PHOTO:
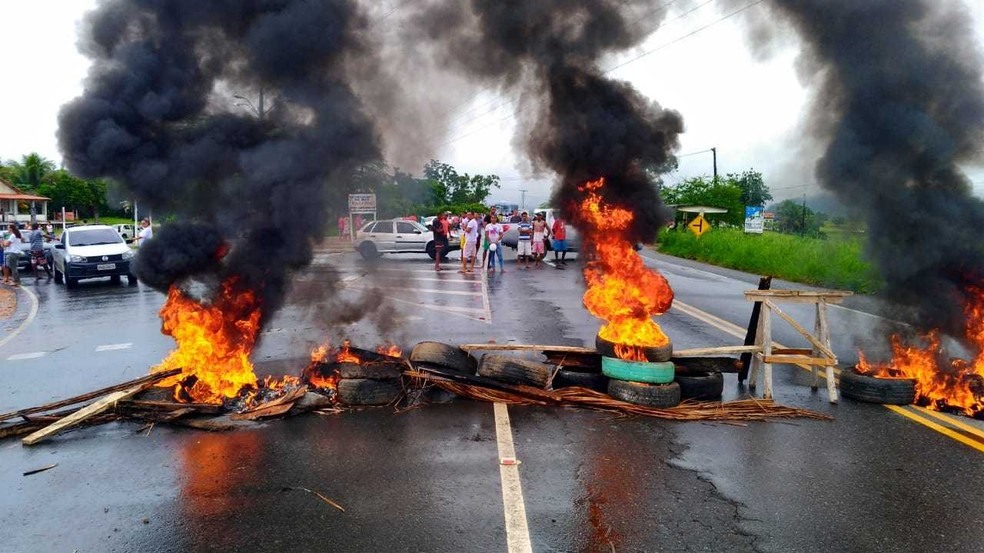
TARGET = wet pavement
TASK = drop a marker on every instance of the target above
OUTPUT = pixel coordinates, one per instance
(428, 479)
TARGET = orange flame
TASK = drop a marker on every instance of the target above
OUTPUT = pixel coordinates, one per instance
(938, 384)
(392, 350)
(622, 291)
(344, 355)
(214, 341)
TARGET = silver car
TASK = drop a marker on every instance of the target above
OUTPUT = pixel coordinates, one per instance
(396, 236)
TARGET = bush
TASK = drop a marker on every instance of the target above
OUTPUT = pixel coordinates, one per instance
(828, 263)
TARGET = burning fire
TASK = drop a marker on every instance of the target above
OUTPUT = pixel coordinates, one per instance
(214, 341)
(958, 384)
(621, 289)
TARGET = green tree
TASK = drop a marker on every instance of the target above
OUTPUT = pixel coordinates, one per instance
(75, 194)
(796, 218)
(704, 191)
(754, 192)
(30, 171)
(449, 187)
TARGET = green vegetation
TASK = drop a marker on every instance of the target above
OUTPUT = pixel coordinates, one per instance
(829, 263)
(732, 192)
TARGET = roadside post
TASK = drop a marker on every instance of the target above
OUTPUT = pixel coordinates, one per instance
(360, 204)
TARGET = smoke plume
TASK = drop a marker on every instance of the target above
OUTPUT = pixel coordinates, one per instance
(158, 114)
(900, 106)
(573, 120)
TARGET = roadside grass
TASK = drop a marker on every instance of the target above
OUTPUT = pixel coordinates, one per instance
(828, 263)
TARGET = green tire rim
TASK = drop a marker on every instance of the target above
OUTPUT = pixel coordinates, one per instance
(638, 371)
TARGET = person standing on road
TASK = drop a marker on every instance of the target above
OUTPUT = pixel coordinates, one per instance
(524, 244)
(11, 255)
(38, 259)
(471, 242)
(483, 238)
(440, 228)
(559, 231)
(493, 236)
(145, 234)
(539, 238)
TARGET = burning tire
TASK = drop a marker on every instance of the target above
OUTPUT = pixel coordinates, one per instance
(363, 391)
(891, 391)
(514, 370)
(654, 353)
(591, 380)
(371, 371)
(706, 386)
(444, 356)
(650, 395)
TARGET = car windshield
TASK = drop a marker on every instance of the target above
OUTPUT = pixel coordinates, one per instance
(94, 237)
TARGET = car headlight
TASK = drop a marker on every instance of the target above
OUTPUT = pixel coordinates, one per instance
(76, 258)
(128, 255)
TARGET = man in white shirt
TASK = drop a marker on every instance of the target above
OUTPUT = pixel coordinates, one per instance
(145, 234)
(471, 242)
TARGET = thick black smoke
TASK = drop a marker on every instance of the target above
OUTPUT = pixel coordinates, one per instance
(158, 115)
(900, 106)
(574, 121)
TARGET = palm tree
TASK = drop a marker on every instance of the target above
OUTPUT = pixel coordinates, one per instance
(31, 171)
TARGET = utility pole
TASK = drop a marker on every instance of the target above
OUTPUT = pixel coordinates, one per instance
(714, 151)
(259, 110)
(522, 202)
(803, 218)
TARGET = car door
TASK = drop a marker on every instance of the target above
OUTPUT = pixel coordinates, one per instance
(381, 234)
(409, 237)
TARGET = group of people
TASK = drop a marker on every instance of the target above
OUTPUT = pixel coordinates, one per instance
(13, 244)
(483, 233)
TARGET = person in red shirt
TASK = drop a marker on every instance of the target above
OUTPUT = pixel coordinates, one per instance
(442, 229)
(559, 231)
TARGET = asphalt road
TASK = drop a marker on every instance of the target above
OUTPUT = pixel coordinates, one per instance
(429, 479)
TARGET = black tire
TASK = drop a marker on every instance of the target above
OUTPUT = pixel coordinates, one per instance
(431, 250)
(657, 354)
(69, 281)
(514, 370)
(131, 279)
(650, 395)
(59, 278)
(444, 356)
(368, 250)
(115, 279)
(372, 371)
(363, 391)
(567, 378)
(705, 386)
(890, 391)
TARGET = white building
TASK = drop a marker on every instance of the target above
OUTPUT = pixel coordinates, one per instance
(16, 206)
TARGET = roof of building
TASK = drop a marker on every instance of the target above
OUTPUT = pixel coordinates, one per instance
(11, 192)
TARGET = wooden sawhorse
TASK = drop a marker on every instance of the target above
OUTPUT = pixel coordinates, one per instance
(818, 355)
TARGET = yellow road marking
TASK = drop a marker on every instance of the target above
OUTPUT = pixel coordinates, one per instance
(739, 332)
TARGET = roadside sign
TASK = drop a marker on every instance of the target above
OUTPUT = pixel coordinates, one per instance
(362, 203)
(699, 225)
(754, 219)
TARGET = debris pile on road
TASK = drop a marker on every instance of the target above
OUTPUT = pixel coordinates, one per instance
(349, 377)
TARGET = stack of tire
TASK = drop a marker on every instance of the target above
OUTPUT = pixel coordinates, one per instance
(649, 383)
(376, 382)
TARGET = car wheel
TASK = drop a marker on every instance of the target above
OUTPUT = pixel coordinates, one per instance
(368, 250)
(69, 281)
(431, 250)
(131, 280)
(115, 279)
(59, 278)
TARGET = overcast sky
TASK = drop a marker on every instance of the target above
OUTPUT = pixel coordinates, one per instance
(697, 63)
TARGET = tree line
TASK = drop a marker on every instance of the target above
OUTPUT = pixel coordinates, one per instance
(39, 176)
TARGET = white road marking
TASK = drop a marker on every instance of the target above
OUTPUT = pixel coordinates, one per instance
(423, 290)
(514, 508)
(32, 355)
(485, 297)
(113, 347)
(30, 317)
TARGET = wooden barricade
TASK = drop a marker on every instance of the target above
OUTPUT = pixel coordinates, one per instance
(818, 355)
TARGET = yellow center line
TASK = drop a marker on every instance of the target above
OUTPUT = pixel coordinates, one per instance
(912, 413)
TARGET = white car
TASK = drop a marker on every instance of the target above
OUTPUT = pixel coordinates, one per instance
(92, 251)
(396, 236)
(125, 231)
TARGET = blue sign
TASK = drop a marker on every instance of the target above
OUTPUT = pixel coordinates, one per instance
(754, 219)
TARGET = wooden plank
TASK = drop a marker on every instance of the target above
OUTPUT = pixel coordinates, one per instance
(809, 294)
(767, 348)
(705, 352)
(799, 328)
(690, 365)
(825, 338)
(84, 413)
(152, 378)
(799, 360)
(525, 347)
(793, 351)
(765, 283)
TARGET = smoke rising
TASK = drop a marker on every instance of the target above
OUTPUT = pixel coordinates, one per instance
(900, 106)
(158, 115)
(573, 120)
